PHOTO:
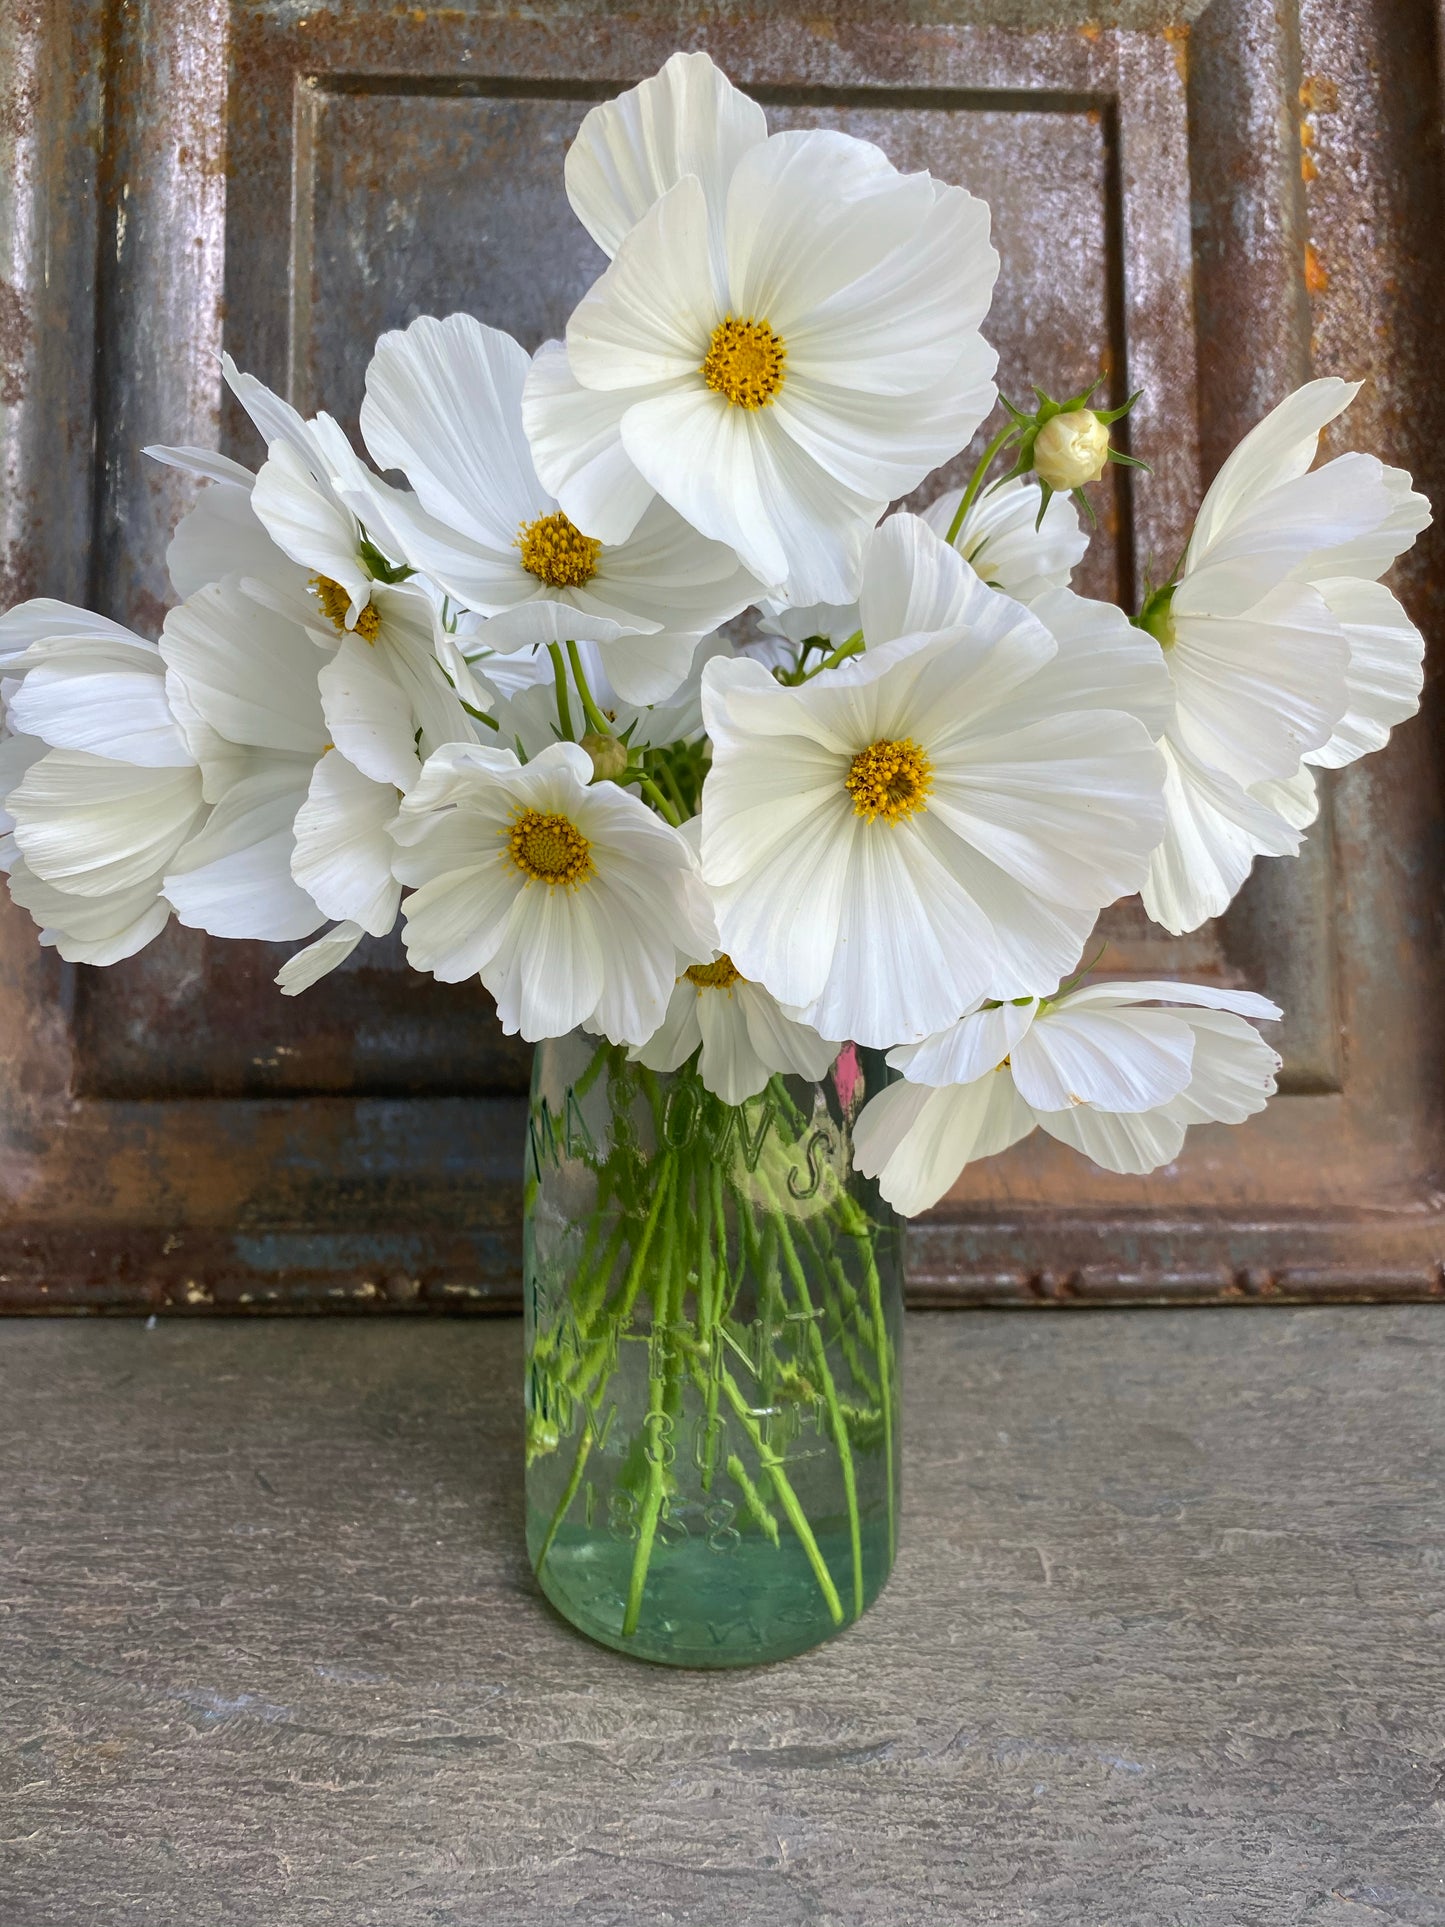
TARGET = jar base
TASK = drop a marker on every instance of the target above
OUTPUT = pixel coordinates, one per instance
(753, 1605)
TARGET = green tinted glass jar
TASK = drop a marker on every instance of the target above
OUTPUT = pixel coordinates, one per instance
(713, 1314)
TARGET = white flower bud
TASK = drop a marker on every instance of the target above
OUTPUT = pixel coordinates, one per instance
(1071, 449)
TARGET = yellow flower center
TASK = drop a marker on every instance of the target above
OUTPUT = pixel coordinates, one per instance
(744, 361)
(557, 552)
(721, 974)
(335, 602)
(549, 849)
(890, 780)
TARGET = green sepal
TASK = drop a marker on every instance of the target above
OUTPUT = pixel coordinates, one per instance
(377, 565)
(1029, 423)
(1154, 617)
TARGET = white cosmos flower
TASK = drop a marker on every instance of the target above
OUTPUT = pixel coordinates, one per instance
(444, 404)
(1103, 1069)
(303, 968)
(1003, 541)
(391, 683)
(98, 784)
(221, 534)
(310, 715)
(938, 818)
(997, 538)
(316, 498)
(399, 685)
(298, 521)
(243, 680)
(1285, 651)
(786, 340)
(743, 1034)
(571, 901)
(387, 700)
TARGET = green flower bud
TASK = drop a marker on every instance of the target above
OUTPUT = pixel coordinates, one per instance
(609, 757)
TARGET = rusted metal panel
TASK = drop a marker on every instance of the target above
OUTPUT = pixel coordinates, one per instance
(50, 139)
(1211, 211)
(1249, 249)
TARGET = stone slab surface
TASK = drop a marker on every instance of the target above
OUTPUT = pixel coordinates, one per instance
(1164, 1644)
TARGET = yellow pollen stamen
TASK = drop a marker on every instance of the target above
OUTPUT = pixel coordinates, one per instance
(744, 361)
(335, 604)
(549, 849)
(557, 552)
(721, 974)
(890, 780)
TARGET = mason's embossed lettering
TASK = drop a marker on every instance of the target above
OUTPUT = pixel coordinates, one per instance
(576, 1139)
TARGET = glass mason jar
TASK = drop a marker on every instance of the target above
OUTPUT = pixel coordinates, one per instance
(713, 1325)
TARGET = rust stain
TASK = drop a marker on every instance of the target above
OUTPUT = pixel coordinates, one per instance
(1090, 31)
(1309, 98)
(16, 334)
(1178, 38)
(1316, 274)
(149, 612)
(1318, 94)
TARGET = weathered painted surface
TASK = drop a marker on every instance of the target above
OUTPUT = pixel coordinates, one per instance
(1212, 206)
(1162, 1646)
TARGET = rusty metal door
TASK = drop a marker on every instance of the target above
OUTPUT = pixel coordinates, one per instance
(1209, 207)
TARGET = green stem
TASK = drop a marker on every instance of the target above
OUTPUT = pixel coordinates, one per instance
(718, 1277)
(659, 1381)
(885, 1379)
(852, 647)
(588, 1392)
(595, 719)
(838, 1287)
(707, 1316)
(559, 677)
(985, 463)
(677, 1209)
(599, 1060)
(855, 1225)
(564, 1504)
(589, 1289)
(761, 1253)
(659, 802)
(666, 778)
(755, 1506)
(830, 1398)
(772, 1464)
(622, 1311)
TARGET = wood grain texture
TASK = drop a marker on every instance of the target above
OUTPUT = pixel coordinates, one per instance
(1162, 1647)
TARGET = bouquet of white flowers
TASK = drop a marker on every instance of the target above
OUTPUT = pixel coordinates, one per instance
(509, 704)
